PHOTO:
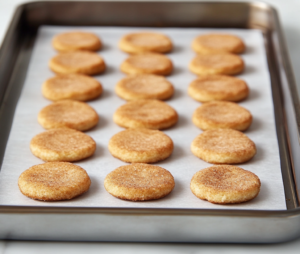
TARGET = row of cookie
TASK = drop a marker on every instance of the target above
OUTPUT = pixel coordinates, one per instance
(55, 181)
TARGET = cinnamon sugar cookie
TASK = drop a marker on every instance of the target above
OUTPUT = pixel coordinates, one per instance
(218, 88)
(222, 115)
(54, 181)
(62, 145)
(140, 145)
(139, 182)
(227, 64)
(72, 41)
(144, 86)
(218, 43)
(83, 62)
(71, 86)
(68, 114)
(151, 114)
(223, 146)
(145, 42)
(147, 63)
(225, 184)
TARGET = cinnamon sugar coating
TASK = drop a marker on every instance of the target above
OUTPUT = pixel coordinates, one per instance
(147, 63)
(223, 146)
(218, 88)
(54, 181)
(212, 64)
(68, 114)
(82, 62)
(151, 114)
(71, 86)
(141, 146)
(218, 43)
(225, 184)
(139, 182)
(77, 40)
(62, 145)
(222, 115)
(144, 86)
(142, 42)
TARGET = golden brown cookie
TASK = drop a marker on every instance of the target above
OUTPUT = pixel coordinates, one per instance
(151, 114)
(135, 43)
(141, 145)
(223, 146)
(71, 86)
(147, 63)
(62, 145)
(83, 62)
(68, 114)
(72, 41)
(218, 43)
(139, 182)
(218, 88)
(54, 181)
(225, 184)
(144, 86)
(228, 64)
(222, 115)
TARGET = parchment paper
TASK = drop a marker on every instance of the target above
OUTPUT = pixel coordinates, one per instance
(182, 164)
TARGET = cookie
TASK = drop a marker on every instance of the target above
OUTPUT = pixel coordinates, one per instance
(227, 64)
(151, 114)
(222, 115)
(68, 114)
(218, 43)
(72, 41)
(71, 86)
(136, 43)
(147, 63)
(223, 146)
(141, 145)
(54, 181)
(139, 182)
(218, 88)
(144, 86)
(62, 145)
(83, 62)
(225, 184)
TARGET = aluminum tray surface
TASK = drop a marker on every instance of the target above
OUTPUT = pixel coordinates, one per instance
(121, 224)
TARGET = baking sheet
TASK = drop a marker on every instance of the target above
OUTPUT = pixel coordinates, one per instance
(182, 163)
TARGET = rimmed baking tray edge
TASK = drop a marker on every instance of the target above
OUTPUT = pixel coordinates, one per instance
(159, 225)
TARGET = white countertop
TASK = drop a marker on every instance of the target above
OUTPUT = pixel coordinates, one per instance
(290, 20)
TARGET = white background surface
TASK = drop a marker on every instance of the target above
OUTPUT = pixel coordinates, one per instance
(290, 20)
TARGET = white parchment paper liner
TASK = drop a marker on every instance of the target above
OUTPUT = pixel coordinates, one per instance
(182, 164)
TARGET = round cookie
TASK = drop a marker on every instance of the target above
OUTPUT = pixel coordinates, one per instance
(62, 145)
(72, 41)
(222, 115)
(83, 62)
(218, 88)
(71, 86)
(225, 184)
(54, 181)
(144, 86)
(223, 146)
(68, 114)
(151, 114)
(136, 43)
(218, 43)
(141, 145)
(228, 64)
(139, 182)
(147, 63)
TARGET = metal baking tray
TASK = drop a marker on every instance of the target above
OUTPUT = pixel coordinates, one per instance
(143, 224)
